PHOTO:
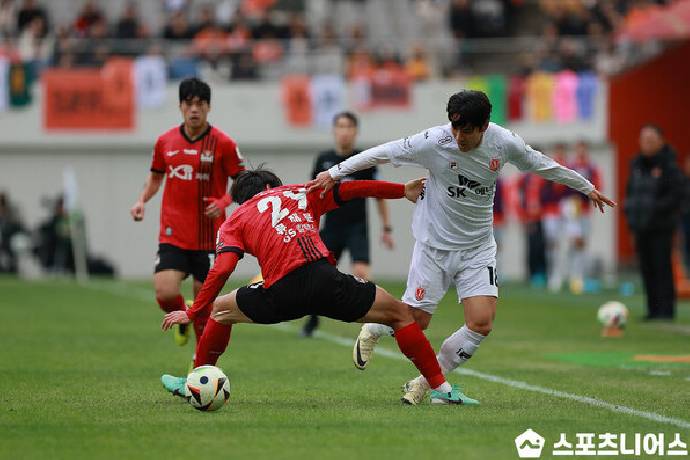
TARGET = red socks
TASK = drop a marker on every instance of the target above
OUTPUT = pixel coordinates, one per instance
(414, 344)
(214, 341)
(172, 305)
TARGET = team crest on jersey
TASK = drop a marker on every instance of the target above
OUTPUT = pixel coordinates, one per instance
(207, 156)
(494, 164)
(419, 294)
(454, 165)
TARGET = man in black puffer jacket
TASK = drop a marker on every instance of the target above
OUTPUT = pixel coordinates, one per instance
(653, 201)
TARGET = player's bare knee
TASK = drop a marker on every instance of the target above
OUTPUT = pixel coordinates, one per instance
(165, 294)
(481, 326)
(421, 317)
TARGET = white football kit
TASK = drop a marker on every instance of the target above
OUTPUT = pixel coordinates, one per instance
(453, 219)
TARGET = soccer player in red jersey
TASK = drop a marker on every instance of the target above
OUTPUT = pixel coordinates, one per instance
(279, 226)
(196, 160)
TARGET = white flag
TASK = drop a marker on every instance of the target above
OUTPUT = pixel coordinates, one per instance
(150, 80)
(328, 98)
(4, 88)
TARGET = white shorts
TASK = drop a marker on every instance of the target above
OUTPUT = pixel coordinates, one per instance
(432, 270)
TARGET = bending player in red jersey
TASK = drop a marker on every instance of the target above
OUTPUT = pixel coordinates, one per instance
(279, 226)
(196, 161)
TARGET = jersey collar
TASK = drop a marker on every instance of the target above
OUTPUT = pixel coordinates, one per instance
(201, 136)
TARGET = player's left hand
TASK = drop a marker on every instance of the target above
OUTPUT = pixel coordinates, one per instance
(599, 200)
(323, 181)
(387, 240)
(414, 189)
(175, 317)
(215, 208)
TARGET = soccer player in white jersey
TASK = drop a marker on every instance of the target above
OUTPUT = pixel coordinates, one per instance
(452, 223)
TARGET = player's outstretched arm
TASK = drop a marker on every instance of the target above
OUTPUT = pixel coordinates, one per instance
(218, 275)
(599, 200)
(151, 187)
(367, 159)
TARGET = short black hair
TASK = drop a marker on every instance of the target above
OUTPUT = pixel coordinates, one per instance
(346, 114)
(468, 108)
(193, 87)
(252, 181)
(654, 127)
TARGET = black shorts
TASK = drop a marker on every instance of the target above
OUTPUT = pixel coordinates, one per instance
(353, 237)
(317, 288)
(195, 263)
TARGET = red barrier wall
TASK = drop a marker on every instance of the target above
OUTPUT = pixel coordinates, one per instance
(655, 92)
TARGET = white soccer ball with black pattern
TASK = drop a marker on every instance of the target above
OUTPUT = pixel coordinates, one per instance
(208, 388)
(613, 314)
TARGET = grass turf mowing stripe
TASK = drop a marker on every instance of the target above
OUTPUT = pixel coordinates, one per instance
(141, 294)
(516, 383)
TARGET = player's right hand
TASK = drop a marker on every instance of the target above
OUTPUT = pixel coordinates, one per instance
(414, 188)
(175, 317)
(323, 181)
(137, 211)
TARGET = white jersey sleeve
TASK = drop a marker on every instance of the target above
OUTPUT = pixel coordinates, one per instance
(527, 159)
(406, 151)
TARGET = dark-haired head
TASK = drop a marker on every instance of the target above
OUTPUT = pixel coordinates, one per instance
(191, 88)
(251, 182)
(469, 108)
(345, 131)
(195, 104)
(468, 112)
(349, 116)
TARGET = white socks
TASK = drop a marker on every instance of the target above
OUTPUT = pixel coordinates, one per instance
(458, 348)
(378, 330)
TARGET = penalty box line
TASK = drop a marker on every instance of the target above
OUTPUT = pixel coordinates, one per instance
(621, 409)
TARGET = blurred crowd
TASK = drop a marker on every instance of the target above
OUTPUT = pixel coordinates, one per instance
(555, 220)
(47, 248)
(244, 37)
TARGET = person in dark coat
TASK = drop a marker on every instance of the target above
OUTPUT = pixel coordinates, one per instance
(653, 202)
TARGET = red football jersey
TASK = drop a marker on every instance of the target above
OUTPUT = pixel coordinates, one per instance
(280, 227)
(195, 173)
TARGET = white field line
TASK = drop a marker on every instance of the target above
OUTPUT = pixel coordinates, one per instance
(518, 384)
(122, 289)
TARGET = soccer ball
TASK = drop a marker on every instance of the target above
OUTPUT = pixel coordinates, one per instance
(207, 388)
(613, 314)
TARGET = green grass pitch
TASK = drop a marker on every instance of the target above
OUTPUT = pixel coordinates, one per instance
(80, 370)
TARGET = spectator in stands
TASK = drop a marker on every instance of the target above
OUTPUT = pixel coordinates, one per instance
(243, 66)
(28, 11)
(240, 34)
(34, 46)
(417, 65)
(94, 51)
(89, 16)
(129, 26)
(298, 33)
(207, 19)
(178, 27)
(8, 18)
(64, 49)
(653, 202)
(461, 19)
(210, 40)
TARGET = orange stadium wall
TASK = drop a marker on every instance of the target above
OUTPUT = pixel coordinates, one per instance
(655, 92)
